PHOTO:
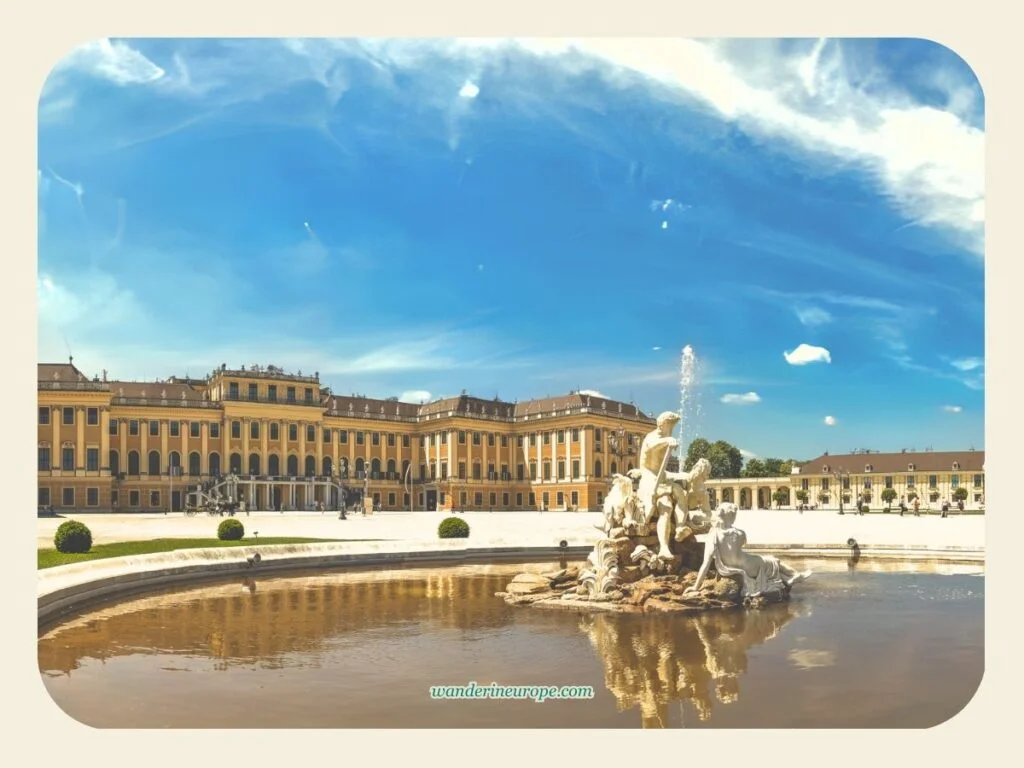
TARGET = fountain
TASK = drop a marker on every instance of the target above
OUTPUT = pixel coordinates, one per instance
(649, 558)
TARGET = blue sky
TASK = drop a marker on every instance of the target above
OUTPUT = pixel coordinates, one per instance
(524, 217)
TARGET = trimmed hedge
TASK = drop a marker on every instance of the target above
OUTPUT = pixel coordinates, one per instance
(72, 537)
(230, 530)
(453, 528)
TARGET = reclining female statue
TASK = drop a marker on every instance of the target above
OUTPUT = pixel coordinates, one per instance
(760, 574)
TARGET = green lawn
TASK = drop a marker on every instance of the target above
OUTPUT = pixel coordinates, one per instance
(48, 558)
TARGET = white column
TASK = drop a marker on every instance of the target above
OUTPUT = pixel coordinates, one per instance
(568, 455)
(583, 454)
(437, 456)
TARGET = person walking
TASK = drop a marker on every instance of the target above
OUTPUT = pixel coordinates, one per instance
(917, 507)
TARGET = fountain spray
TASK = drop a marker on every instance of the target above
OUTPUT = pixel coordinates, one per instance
(689, 408)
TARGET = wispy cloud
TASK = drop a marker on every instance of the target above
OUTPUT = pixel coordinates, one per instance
(967, 363)
(745, 399)
(116, 61)
(807, 353)
(928, 161)
(812, 316)
(952, 408)
(593, 393)
(830, 421)
(748, 454)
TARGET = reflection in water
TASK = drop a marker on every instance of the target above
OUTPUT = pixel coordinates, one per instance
(269, 625)
(651, 661)
(361, 649)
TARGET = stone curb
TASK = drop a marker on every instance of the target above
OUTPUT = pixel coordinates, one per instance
(61, 592)
(70, 588)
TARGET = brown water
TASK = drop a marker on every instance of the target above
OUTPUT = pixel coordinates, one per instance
(862, 646)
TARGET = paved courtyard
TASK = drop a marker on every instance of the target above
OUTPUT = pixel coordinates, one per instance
(763, 527)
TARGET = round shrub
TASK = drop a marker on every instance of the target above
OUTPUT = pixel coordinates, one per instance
(453, 528)
(73, 536)
(230, 530)
(865, 509)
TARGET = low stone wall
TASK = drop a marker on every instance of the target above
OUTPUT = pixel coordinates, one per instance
(67, 589)
(70, 588)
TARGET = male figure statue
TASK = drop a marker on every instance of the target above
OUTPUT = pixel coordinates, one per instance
(659, 499)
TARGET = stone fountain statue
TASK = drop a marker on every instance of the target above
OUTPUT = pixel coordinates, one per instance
(650, 558)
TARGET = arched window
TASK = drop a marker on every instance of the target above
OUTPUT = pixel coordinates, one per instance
(115, 463)
(597, 469)
(154, 462)
(310, 466)
(629, 467)
(614, 468)
(359, 467)
(133, 463)
(254, 463)
(293, 466)
(194, 464)
(273, 465)
(327, 466)
(174, 461)
(215, 464)
(391, 467)
(235, 465)
(375, 469)
(405, 468)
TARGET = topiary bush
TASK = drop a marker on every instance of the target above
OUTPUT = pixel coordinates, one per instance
(73, 536)
(453, 528)
(230, 530)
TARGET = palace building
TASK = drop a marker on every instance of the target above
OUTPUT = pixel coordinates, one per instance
(279, 441)
(932, 476)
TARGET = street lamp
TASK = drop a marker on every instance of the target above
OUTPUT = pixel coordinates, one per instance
(617, 447)
(840, 475)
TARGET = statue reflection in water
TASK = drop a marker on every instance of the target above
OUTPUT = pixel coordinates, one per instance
(652, 661)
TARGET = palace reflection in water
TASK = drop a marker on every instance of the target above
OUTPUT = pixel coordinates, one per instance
(360, 649)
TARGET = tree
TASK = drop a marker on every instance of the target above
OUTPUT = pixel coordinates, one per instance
(911, 495)
(780, 497)
(888, 496)
(960, 494)
(726, 459)
(778, 467)
(754, 468)
(698, 449)
(823, 497)
(802, 496)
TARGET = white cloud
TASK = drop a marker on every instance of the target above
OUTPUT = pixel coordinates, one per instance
(415, 396)
(114, 61)
(664, 225)
(813, 315)
(967, 363)
(593, 393)
(806, 353)
(748, 454)
(952, 408)
(745, 399)
(830, 421)
(929, 162)
(655, 349)
(469, 90)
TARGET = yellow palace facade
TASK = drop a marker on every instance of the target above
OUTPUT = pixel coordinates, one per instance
(279, 441)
